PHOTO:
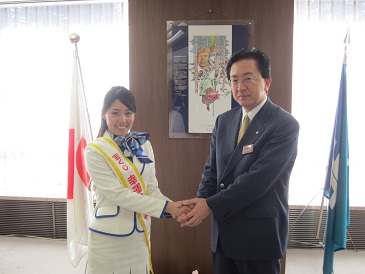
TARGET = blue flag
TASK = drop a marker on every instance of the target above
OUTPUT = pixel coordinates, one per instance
(337, 182)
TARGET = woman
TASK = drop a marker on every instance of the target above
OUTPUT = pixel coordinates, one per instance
(120, 163)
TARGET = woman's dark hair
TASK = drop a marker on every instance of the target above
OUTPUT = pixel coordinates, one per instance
(262, 61)
(122, 94)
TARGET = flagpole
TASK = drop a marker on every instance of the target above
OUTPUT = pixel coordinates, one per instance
(336, 187)
(320, 220)
(79, 195)
(75, 38)
(346, 41)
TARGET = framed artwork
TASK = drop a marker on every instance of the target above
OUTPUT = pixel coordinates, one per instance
(199, 90)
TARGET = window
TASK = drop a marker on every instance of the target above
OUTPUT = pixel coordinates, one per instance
(36, 72)
(319, 31)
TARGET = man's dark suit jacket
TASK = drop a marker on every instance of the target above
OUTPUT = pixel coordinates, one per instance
(248, 192)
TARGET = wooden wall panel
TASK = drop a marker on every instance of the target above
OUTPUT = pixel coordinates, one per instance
(179, 162)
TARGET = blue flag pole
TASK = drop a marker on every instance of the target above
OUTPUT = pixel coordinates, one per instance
(336, 187)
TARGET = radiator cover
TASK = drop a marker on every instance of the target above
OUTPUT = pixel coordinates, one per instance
(47, 218)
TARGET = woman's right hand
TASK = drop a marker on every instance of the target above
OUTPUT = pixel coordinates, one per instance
(176, 209)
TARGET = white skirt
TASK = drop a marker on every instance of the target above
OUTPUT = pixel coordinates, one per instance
(117, 255)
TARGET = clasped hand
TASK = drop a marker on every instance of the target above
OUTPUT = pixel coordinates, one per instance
(176, 209)
(198, 212)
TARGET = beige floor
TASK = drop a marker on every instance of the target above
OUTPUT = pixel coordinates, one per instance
(21, 255)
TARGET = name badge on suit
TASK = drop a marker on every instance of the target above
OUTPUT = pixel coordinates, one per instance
(248, 149)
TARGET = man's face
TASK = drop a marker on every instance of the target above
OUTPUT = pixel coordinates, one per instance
(249, 89)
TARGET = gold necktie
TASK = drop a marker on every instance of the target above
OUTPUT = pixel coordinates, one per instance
(244, 126)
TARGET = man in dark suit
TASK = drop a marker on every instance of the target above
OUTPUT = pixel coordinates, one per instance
(245, 182)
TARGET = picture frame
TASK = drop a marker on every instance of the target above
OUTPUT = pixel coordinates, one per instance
(198, 87)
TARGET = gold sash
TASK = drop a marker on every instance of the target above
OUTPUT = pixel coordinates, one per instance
(130, 178)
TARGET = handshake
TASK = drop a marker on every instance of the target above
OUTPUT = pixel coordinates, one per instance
(189, 212)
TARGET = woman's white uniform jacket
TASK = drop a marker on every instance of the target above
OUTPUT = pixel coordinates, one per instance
(116, 206)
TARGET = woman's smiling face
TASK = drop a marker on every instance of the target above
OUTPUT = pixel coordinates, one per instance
(119, 119)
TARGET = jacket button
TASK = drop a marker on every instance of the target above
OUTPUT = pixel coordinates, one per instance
(221, 185)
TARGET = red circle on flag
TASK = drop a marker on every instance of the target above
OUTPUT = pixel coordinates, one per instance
(80, 163)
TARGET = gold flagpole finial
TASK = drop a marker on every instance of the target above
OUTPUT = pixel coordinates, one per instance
(74, 38)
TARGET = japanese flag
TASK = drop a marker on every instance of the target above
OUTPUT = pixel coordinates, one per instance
(79, 196)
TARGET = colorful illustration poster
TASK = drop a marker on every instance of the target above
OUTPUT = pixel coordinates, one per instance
(209, 89)
(200, 88)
